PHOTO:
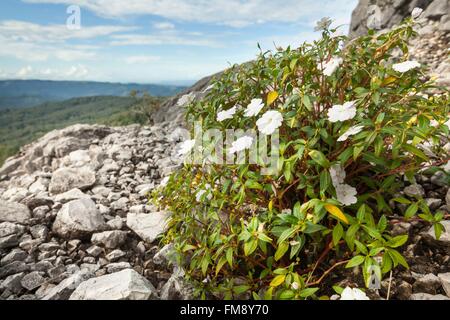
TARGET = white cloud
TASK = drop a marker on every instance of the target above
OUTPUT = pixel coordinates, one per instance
(75, 72)
(164, 26)
(162, 39)
(235, 13)
(141, 59)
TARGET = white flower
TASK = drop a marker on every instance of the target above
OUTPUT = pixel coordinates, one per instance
(269, 122)
(342, 112)
(416, 12)
(254, 108)
(346, 194)
(405, 66)
(201, 193)
(295, 285)
(330, 67)
(208, 88)
(350, 132)
(447, 123)
(434, 123)
(323, 24)
(227, 114)
(353, 294)
(186, 147)
(337, 174)
(164, 181)
(186, 99)
(241, 144)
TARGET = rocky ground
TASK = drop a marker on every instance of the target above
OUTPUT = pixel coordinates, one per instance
(74, 219)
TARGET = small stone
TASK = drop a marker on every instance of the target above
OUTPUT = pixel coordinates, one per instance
(9, 242)
(427, 296)
(14, 212)
(110, 239)
(66, 179)
(404, 291)
(39, 231)
(117, 266)
(445, 281)
(433, 203)
(64, 289)
(8, 228)
(32, 281)
(12, 283)
(414, 190)
(115, 255)
(94, 251)
(427, 284)
(74, 194)
(14, 255)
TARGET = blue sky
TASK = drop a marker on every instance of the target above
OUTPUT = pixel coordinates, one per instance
(151, 41)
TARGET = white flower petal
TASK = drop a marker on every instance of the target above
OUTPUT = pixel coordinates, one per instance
(328, 68)
(342, 112)
(186, 147)
(346, 194)
(405, 66)
(337, 174)
(241, 144)
(350, 132)
(269, 122)
(254, 108)
(227, 114)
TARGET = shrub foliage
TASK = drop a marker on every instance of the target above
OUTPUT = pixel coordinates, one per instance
(240, 233)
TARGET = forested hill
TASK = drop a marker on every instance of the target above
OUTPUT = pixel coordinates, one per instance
(27, 93)
(22, 126)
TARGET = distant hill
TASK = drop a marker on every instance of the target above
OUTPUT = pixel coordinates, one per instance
(21, 126)
(27, 93)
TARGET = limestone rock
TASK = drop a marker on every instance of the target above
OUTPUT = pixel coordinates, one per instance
(445, 281)
(65, 179)
(148, 226)
(65, 288)
(123, 285)
(14, 212)
(78, 219)
(110, 239)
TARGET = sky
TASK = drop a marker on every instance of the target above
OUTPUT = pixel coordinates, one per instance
(150, 41)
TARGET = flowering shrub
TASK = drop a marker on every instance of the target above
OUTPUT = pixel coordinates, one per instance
(352, 122)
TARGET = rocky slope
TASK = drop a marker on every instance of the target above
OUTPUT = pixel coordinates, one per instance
(75, 223)
(73, 215)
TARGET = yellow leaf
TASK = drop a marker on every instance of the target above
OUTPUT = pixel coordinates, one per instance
(335, 211)
(271, 97)
(271, 205)
(278, 280)
(389, 80)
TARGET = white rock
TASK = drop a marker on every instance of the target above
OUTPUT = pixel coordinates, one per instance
(78, 219)
(65, 288)
(445, 280)
(123, 285)
(65, 179)
(71, 195)
(148, 226)
(110, 239)
(14, 212)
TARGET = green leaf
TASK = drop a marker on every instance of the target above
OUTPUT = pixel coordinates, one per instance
(438, 229)
(411, 211)
(241, 289)
(287, 234)
(355, 261)
(287, 295)
(282, 248)
(229, 255)
(325, 181)
(319, 158)
(397, 258)
(415, 151)
(308, 292)
(220, 264)
(265, 238)
(250, 247)
(338, 232)
(397, 241)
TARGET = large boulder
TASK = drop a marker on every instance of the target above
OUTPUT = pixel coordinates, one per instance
(78, 219)
(66, 179)
(14, 212)
(148, 226)
(124, 285)
(65, 288)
